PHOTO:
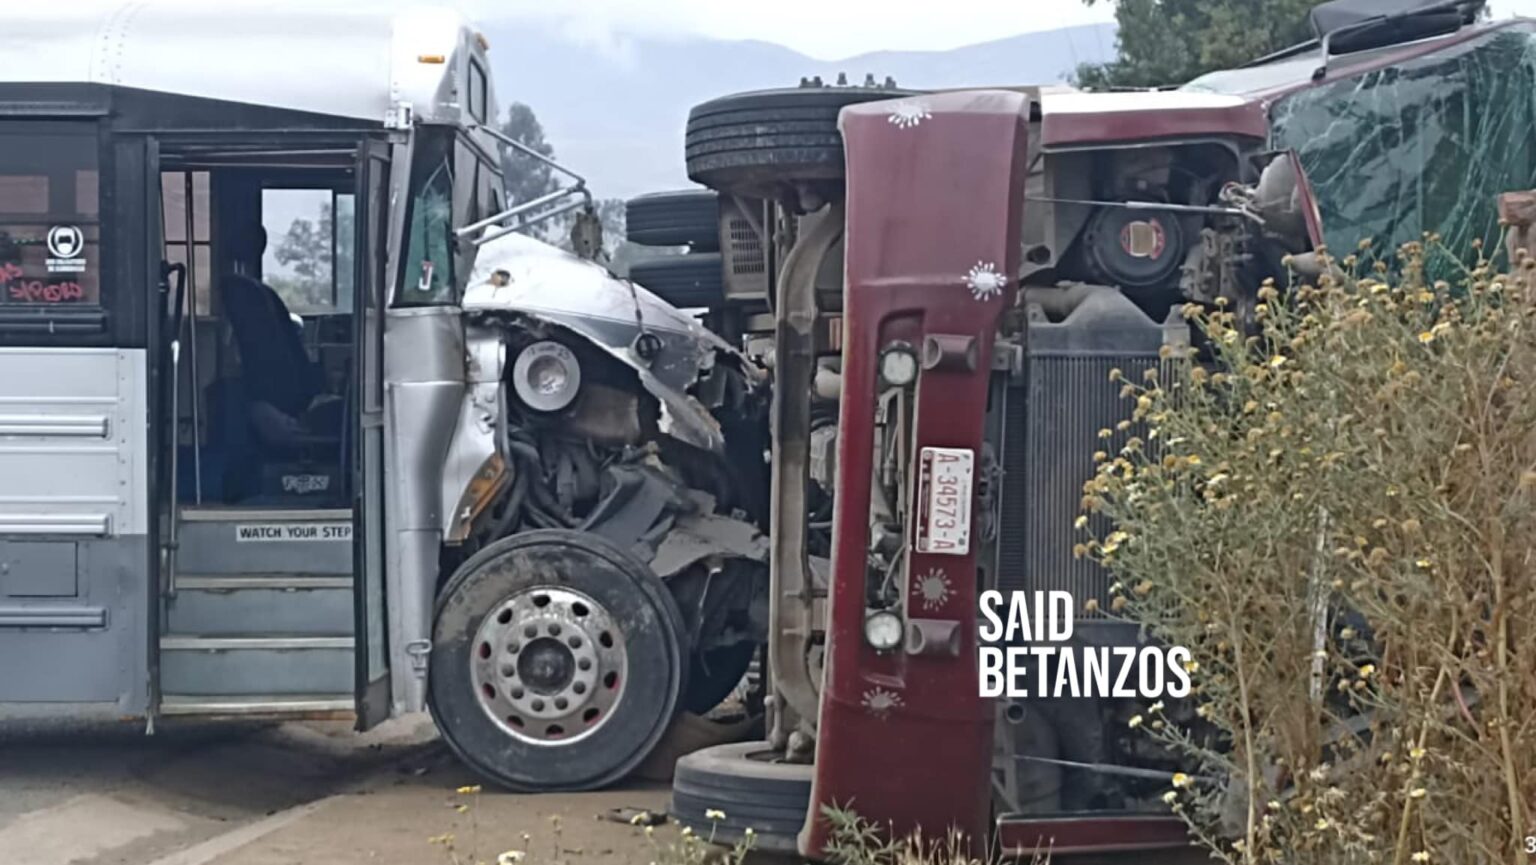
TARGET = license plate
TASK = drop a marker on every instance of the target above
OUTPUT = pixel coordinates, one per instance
(945, 479)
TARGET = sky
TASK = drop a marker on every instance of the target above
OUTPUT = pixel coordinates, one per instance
(830, 29)
(823, 29)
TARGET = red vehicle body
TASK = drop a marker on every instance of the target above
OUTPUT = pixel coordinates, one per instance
(963, 221)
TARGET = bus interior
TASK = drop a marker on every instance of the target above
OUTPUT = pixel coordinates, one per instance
(261, 283)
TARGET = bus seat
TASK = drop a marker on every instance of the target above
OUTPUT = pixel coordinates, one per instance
(275, 366)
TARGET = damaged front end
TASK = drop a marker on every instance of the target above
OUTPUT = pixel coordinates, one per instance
(595, 414)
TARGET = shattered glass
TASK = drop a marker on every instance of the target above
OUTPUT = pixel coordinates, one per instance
(1423, 145)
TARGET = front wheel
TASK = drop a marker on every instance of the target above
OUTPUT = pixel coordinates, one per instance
(557, 662)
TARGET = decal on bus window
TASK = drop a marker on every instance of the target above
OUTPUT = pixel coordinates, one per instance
(19, 289)
(66, 247)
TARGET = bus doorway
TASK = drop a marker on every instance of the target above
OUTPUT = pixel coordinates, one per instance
(272, 497)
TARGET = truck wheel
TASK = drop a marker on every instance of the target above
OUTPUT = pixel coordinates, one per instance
(688, 281)
(690, 217)
(755, 792)
(556, 663)
(754, 144)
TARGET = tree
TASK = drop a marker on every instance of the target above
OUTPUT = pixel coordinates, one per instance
(305, 252)
(1164, 42)
(527, 178)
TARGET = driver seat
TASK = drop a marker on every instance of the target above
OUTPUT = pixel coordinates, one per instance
(274, 365)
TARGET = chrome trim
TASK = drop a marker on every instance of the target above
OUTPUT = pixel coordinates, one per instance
(270, 704)
(53, 617)
(228, 644)
(273, 582)
(236, 515)
(84, 426)
(98, 525)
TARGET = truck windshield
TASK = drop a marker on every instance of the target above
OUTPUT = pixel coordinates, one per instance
(49, 215)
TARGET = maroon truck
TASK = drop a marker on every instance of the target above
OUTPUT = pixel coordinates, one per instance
(942, 283)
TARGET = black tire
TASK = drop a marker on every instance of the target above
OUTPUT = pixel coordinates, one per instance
(690, 218)
(754, 793)
(688, 281)
(754, 143)
(624, 596)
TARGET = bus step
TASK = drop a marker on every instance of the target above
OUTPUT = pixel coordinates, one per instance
(251, 666)
(223, 606)
(237, 541)
(340, 706)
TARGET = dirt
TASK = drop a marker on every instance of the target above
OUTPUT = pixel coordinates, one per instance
(404, 823)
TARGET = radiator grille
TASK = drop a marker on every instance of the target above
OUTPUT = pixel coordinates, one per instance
(1053, 416)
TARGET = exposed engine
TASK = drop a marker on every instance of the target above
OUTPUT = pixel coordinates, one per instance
(621, 417)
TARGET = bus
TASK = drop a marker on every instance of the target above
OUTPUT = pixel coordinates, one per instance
(294, 412)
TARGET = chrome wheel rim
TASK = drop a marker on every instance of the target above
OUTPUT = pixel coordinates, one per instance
(549, 665)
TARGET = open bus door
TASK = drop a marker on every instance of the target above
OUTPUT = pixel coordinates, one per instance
(367, 456)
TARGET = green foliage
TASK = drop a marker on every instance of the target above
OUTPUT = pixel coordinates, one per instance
(1168, 42)
(855, 840)
(306, 253)
(527, 178)
(1336, 516)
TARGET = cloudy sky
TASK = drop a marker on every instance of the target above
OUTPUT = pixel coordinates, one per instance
(824, 29)
(830, 29)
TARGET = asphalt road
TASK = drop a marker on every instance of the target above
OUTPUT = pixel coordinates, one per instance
(74, 794)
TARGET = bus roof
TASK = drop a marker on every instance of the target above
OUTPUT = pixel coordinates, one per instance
(326, 57)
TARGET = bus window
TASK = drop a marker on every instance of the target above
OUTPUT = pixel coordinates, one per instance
(309, 248)
(175, 208)
(50, 225)
(477, 88)
(429, 255)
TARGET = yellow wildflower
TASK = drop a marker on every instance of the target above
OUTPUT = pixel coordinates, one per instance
(1417, 793)
(714, 814)
(1421, 856)
(1134, 722)
(1170, 797)
(465, 791)
(1181, 780)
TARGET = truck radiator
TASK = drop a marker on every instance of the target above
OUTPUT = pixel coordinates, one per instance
(1054, 412)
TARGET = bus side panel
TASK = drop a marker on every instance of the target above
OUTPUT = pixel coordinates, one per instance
(74, 545)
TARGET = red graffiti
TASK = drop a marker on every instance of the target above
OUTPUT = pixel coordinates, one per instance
(37, 291)
(9, 272)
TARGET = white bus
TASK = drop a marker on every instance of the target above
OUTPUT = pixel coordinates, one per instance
(294, 422)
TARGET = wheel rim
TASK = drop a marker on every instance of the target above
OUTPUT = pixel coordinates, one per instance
(549, 665)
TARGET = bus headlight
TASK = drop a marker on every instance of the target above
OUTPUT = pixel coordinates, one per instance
(883, 630)
(546, 376)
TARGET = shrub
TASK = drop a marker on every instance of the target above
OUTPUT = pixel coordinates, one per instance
(1335, 511)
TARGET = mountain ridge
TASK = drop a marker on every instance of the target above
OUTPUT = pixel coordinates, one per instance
(616, 112)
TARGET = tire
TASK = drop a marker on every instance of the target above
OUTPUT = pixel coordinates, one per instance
(755, 143)
(496, 692)
(738, 779)
(685, 281)
(689, 218)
